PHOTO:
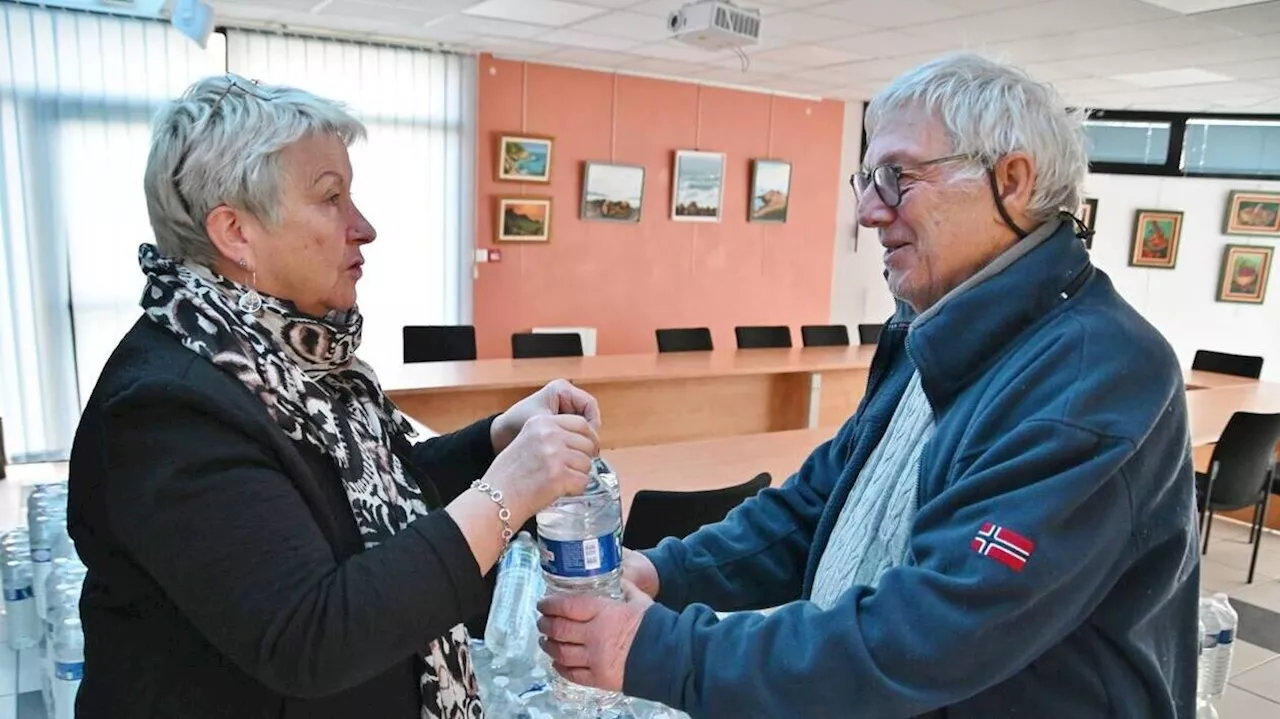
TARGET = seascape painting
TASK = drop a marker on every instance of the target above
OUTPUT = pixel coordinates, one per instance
(612, 193)
(524, 159)
(770, 191)
(697, 191)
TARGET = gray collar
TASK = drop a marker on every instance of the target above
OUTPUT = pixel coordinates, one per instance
(995, 267)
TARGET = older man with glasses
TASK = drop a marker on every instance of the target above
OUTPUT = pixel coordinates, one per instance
(1005, 528)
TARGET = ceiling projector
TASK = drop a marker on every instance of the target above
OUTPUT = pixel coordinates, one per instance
(715, 25)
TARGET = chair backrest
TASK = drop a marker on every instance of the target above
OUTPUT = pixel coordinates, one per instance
(824, 335)
(1245, 453)
(525, 345)
(684, 339)
(657, 514)
(1223, 363)
(438, 343)
(869, 334)
(762, 337)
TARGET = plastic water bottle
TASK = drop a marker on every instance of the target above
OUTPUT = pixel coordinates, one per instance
(19, 594)
(63, 590)
(45, 524)
(68, 657)
(1227, 623)
(580, 538)
(511, 632)
(1208, 647)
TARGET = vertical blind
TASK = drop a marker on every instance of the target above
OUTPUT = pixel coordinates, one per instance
(412, 174)
(78, 92)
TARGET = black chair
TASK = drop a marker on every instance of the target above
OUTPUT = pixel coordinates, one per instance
(438, 343)
(684, 339)
(656, 515)
(1223, 363)
(1240, 474)
(824, 335)
(751, 338)
(869, 334)
(525, 345)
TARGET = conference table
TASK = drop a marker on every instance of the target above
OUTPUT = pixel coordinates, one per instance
(652, 398)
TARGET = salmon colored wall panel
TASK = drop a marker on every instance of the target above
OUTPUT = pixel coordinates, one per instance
(626, 280)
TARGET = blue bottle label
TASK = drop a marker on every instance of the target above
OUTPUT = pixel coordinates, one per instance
(1226, 636)
(581, 558)
(18, 594)
(69, 671)
(41, 555)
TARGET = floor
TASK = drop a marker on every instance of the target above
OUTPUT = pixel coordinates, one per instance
(1254, 692)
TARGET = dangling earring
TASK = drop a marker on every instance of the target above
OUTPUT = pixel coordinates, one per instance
(250, 302)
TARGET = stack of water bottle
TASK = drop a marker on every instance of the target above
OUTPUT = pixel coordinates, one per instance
(1218, 622)
(580, 552)
(42, 578)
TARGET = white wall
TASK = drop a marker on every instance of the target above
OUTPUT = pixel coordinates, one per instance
(858, 291)
(1181, 302)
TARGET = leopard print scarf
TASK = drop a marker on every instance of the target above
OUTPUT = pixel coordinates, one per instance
(305, 371)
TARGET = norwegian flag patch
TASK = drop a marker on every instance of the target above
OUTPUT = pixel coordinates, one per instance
(1003, 545)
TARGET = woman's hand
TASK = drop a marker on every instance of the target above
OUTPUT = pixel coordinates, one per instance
(637, 569)
(557, 397)
(549, 458)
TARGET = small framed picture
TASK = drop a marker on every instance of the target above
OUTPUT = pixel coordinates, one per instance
(697, 186)
(523, 219)
(1252, 213)
(1155, 238)
(524, 158)
(1245, 271)
(1088, 214)
(770, 191)
(612, 193)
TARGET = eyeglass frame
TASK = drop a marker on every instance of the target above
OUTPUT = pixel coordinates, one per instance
(232, 84)
(897, 169)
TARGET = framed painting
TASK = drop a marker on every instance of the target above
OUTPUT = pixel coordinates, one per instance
(1155, 239)
(770, 191)
(1088, 214)
(523, 219)
(1252, 213)
(612, 193)
(524, 158)
(697, 186)
(1245, 271)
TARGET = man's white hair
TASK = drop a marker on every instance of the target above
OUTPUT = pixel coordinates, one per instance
(220, 144)
(989, 110)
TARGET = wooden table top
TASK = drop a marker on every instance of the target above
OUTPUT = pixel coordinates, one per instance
(426, 377)
(725, 461)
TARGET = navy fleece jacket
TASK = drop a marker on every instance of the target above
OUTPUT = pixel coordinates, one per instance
(1052, 569)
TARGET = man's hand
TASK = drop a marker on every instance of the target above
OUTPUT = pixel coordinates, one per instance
(637, 569)
(588, 638)
(557, 397)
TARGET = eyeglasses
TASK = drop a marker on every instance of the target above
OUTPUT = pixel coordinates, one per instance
(886, 178)
(233, 83)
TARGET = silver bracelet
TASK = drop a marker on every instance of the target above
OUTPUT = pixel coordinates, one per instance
(504, 514)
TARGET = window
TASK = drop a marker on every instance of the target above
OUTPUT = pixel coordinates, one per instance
(1141, 143)
(1232, 147)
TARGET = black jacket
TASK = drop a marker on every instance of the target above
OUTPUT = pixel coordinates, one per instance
(226, 573)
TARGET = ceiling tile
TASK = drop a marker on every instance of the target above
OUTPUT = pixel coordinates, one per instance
(889, 43)
(1090, 85)
(1251, 19)
(672, 50)
(379, 13)
(809, 56)
(787, 83)
(657, 66)
(979, 6)
(484, 26)
(552, 13)
(233, 6)
(608, 4)
(590, 40)
(588, 58)
(661, 8)
(1050, 18)
(805, 27)
(881, 14)
(1172, 78)
(626, 24)
(1263, 70)
(1175, 32)
(880, 70)
(1197, 6)
(755, 63)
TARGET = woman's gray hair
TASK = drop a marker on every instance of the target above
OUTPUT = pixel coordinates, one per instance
(989, 110)
(220, 144)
